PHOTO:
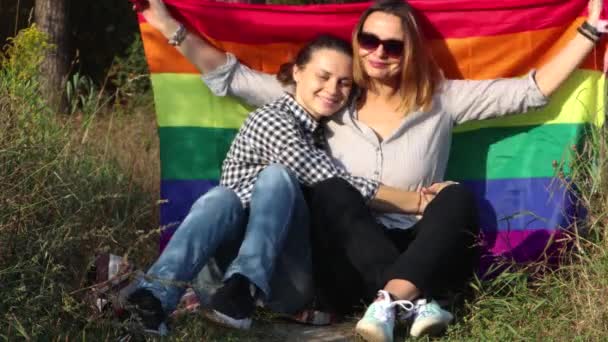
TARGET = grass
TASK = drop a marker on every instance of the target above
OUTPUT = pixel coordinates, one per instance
(73, 186)
(62, 201)
(568, 303)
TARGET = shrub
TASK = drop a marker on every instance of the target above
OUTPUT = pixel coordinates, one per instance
(130, 76)
(58, 206)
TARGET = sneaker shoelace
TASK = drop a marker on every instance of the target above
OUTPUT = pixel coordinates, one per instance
(404, 315)
(387, 307)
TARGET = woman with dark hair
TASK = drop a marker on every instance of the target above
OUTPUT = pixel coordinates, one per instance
(258, 208)
(397, 131)
(256, 221)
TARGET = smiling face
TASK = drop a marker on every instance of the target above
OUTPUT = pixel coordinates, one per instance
(413, 73)
(377, 63)
(323, 85)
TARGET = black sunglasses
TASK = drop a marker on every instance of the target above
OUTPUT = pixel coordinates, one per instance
(369, 41)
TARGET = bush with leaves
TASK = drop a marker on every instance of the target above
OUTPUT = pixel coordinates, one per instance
(58, 206)
(130, 76)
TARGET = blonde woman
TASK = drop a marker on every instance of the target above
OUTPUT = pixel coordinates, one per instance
(398, 132)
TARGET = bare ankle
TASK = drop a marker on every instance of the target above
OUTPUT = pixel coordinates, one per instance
(401, 289)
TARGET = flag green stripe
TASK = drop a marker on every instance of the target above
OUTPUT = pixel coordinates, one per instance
(581, 99)
(184, 100)
(193, 152)
(189, 153)
(514, 152)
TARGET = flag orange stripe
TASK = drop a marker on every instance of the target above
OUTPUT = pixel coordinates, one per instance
(471, 58)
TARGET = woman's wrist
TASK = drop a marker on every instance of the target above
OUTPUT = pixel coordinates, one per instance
(593, 21)
(594, 11)
(169, 27)
(590, 31)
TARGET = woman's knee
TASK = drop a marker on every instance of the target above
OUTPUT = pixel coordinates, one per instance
(454, 206)
(459, 195)
(276, 176)
(219, 196)
(459, 191)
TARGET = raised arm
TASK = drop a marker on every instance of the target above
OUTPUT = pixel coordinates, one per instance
(551, 75)
(198, 51)
(467, 100)
(223, 74)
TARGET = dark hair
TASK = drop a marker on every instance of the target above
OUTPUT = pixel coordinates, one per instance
(325, 41)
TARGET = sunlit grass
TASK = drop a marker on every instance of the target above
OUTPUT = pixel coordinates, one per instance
(66, 195)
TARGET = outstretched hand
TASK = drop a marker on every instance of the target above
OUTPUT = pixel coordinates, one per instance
(199, 52)
(154, 11)
(595, 10)
(139, 5)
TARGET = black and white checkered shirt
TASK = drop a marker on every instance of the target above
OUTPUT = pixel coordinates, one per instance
(282, 132)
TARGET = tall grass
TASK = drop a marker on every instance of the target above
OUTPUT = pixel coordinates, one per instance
(543, 303)
(67, 191)
(59, 205)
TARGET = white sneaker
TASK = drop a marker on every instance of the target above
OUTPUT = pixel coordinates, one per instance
(429, 319)
(378, 321)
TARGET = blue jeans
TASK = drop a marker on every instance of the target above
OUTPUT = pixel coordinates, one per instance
(267, 243)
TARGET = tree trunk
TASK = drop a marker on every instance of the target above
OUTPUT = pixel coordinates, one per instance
(51, 16)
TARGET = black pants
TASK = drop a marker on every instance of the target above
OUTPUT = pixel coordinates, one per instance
(354, 256)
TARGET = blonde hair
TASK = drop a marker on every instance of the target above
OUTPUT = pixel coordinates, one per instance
(420, 75)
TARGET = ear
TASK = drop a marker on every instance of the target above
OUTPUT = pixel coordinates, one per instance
(296, 73)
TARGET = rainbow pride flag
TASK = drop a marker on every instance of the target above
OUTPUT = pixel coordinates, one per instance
(509, 163)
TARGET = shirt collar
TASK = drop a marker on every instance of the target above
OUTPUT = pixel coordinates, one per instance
(301, 114)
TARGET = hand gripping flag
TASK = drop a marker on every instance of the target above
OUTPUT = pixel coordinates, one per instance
(512, 164)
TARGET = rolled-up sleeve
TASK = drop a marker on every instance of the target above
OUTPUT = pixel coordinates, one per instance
(467, 100)
(235, 79)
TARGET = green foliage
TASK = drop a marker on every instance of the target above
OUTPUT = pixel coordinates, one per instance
(20, 98)
(126, 88)
(101, 30)
(130, 76)
(25, 53)
(542, 303)
(59, 204)
(81, 94)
